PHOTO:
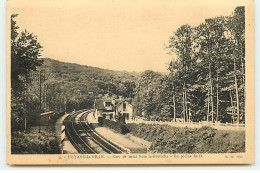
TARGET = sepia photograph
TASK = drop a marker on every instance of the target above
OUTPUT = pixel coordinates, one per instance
(130, 82)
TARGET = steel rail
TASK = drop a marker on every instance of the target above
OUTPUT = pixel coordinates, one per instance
(71, 138)
(79, 137)
(85, 149)
(95, 140)
(107, 145)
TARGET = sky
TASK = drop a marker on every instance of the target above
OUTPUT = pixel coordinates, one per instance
(118, 35)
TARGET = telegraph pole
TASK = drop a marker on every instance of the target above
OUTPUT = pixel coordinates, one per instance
(65, 103)
(26, 108)
(45, 97)
(53, 106)
(40, 101)
(41, 78)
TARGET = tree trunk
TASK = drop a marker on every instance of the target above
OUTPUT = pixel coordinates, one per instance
(243, 71)
(217, 99)
(241, 54)
(174, 108)
(208, 107)
(231, 100)
(241, 59)
(236, 88)
(189, 114)
(211, 94)
(186, 106)
(183, 103)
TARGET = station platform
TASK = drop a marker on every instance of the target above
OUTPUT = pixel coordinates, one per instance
(66, 146)
(123, 141)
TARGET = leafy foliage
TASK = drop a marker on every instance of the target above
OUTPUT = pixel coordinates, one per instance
(208, 73)
(72, 86)
(206, 80)
(34, 143)
(25, 51)
(119, 127)
(168, 139)
(152, 93)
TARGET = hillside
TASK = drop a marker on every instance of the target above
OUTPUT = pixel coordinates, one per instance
(77, 85)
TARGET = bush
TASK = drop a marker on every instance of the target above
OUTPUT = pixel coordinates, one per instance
(34, 143)
(117, 126)
(168, 139)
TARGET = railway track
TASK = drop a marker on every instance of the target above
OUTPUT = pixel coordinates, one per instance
(79, 132)
(105, 144)
(72, 133)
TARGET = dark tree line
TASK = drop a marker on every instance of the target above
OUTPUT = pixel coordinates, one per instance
(207, 77)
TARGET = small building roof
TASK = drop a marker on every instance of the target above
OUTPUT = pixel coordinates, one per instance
(122, 101)
(47, 113)
(99, 102)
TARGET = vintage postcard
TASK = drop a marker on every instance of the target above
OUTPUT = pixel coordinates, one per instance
(130, 82)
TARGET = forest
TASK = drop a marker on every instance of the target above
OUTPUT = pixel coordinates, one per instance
(206, 79)
(66, 87)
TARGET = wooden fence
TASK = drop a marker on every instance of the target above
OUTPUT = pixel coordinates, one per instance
(215, 125)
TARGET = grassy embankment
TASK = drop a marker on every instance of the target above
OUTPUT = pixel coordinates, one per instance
(33, 142)
(168, 139)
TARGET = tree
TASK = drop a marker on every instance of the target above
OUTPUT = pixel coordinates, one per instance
(152, 93)
(236, 36)
(25, 51)
(182, 45)
(208, 73)
(212, 46)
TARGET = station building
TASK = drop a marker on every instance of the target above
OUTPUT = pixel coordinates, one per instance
(112, 109)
